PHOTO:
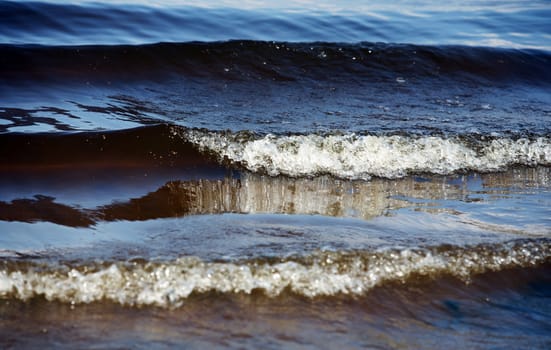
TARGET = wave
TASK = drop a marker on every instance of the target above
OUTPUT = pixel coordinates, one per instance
(147, 146)
(339, 63)
(352, 156)
(138, 23)
(341, 155)
(168, 284)
(276, 87)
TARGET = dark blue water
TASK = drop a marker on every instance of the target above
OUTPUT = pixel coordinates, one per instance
(267, 175)
(475, 23)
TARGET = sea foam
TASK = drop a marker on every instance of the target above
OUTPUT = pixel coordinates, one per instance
(352, 156)
(323, 273)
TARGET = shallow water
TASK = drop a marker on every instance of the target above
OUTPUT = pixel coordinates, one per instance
(421, 314)
(257, 175)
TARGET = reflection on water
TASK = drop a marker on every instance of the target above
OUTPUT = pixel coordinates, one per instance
(253, 193)
(118, 112)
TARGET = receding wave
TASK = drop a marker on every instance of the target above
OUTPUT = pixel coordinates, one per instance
(354, 156)
(168, 284)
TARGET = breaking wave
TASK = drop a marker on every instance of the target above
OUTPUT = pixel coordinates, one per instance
(168, 284)
(352, 156)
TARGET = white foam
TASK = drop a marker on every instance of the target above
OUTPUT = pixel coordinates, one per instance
(361, 157)
(322, 274)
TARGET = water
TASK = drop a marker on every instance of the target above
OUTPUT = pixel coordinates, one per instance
(258, 175)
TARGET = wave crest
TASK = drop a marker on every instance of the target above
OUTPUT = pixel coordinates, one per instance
(168, 284)
(354, 156)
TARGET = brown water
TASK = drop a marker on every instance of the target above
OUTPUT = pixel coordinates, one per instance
(252, 261)
(291, 175)
(423, 313)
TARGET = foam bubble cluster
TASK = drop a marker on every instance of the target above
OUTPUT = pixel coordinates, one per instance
(360, 157)
(168, 284)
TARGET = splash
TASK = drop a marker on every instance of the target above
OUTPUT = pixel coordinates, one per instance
(168, 284)
(351, 156)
